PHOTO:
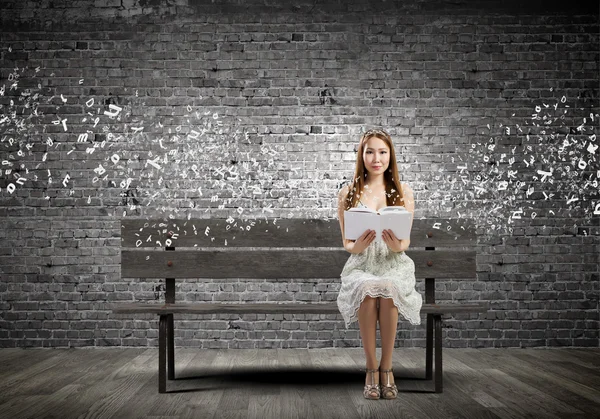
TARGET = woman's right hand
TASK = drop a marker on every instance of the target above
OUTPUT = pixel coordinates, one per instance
(364, 241)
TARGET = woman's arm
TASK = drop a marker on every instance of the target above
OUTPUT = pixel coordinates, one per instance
(409, 204)
(348, 244)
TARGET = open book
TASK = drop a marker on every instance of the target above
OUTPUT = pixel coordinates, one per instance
(397, 219)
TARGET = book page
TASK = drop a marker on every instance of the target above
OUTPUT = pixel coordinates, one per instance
(400, 222)
(356, 222)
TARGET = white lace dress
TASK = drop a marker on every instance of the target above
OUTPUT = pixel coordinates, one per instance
(379, 272)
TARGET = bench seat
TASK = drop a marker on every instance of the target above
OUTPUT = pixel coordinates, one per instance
(276, 308)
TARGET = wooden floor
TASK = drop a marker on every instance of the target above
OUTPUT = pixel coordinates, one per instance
(296, 383)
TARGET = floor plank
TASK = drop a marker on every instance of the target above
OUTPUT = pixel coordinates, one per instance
(297, 383)
(295, 399)
(41, 365)
(76, 364)
(435, 405)
(543, 378)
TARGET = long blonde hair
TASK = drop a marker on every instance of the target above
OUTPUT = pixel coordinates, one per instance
(393, 189)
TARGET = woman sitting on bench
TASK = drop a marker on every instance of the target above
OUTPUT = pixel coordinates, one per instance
(378, 280)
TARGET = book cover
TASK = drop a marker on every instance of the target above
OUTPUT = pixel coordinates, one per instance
(397, 219)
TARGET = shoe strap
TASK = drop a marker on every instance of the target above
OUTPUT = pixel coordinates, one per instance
(388, 377)
(372, 375)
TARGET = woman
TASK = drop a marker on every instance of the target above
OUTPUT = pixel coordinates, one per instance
(378, 280)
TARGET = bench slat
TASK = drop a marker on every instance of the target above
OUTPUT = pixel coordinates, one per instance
(275, 264)
(285, 233)
(275, 308)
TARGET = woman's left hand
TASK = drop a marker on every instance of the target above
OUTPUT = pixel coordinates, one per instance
(392, 242)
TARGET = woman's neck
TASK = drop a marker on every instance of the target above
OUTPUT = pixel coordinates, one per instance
(375, 184)
(377, 181)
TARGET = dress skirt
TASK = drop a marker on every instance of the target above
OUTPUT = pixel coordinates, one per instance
(379, 272)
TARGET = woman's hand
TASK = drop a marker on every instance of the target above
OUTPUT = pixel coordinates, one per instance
(364, 241)
(392, 242)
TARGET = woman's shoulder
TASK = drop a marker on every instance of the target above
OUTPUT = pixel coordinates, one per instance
(342, 196)
(406, 188)
(344, 190)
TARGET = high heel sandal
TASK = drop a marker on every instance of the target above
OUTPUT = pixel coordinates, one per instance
(388, 391)
(372, 388)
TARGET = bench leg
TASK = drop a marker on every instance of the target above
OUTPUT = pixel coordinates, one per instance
(438, 353)
(171, 351)
(162, 353)
(429, 348)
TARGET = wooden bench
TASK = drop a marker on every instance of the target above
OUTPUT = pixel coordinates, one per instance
(291, 248)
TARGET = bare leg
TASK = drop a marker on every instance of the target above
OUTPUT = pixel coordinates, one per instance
(388, 324)
(367, 322)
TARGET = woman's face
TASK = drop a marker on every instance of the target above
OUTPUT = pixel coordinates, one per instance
(376, 156)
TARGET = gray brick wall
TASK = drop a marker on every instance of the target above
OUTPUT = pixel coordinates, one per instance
(264, 103)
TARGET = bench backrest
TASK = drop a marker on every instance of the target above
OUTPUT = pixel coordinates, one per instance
(290, 248)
